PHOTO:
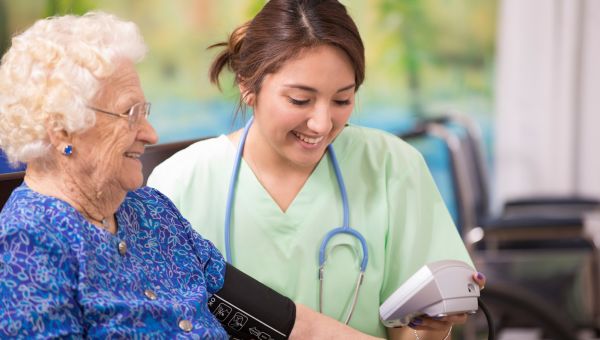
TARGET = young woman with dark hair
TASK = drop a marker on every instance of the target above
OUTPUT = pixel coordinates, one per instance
(268, 194)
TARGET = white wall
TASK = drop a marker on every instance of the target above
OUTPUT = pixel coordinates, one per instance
(589, 162)
(548, 98)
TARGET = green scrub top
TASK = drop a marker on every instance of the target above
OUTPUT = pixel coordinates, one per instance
(393, 202)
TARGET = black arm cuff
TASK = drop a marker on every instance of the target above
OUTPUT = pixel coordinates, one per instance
(248, 309)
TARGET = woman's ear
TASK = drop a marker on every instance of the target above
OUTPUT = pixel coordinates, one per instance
(60, 139)
(248, 97)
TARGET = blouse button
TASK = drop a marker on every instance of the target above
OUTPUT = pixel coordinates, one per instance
(151, 295)
(122, 248)
(185, 325)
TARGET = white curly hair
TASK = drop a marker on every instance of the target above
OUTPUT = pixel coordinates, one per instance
(52, 71)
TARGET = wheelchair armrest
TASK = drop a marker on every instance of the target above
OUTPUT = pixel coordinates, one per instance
(534, 222)
(535, 232)
(550, 207)
(557, 200)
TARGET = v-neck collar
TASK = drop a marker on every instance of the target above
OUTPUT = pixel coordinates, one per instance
(303, 196)
(250, 190)
(255, 198)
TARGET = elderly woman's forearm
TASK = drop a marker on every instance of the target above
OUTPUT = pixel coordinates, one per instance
(312, 325)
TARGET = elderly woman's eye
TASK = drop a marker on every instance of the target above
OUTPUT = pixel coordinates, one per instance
(298, 102)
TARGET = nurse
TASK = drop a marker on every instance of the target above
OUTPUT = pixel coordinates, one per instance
(268, 194)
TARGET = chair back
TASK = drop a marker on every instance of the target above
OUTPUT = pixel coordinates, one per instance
(5, 167)
(470, 195)
(8, 183)
(472, 148)
(156, 154)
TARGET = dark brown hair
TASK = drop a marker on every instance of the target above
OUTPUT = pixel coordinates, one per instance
(279, 32)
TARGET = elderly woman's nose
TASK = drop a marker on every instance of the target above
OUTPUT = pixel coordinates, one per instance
(147, 134)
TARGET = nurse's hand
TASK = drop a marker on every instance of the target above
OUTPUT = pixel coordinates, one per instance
(480, 279)
(435, 328)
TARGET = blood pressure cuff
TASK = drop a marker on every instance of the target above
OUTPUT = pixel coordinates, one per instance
(247, 309)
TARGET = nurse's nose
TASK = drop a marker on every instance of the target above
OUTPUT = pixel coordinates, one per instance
(320, 121)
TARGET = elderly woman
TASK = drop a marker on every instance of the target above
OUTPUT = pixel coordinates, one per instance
(83, 251)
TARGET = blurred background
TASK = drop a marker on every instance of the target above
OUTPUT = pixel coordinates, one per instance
(501, 97)
(424, 57)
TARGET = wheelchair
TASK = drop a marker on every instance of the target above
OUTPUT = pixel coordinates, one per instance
(540, 259)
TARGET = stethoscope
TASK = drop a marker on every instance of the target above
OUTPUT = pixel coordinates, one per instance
(344, 229)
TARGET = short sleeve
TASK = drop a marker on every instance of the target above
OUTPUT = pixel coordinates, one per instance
(214, 263)
(37, 285)
(420, 228)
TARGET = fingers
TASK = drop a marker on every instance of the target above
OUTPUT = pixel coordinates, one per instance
(480, 279)
(428, 324)
(456, 319)
(437, 324)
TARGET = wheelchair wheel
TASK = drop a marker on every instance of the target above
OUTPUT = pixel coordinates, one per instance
(512, 307)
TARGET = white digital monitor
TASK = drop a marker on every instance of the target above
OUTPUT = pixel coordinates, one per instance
(437, 289)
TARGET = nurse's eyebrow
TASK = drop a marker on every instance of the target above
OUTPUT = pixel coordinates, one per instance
(312, 89)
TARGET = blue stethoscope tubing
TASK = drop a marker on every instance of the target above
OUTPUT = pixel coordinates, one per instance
(344, 229)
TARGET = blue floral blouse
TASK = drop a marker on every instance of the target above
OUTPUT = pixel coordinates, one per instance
(61, 276)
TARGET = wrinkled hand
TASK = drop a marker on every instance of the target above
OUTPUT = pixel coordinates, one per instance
(444, 323)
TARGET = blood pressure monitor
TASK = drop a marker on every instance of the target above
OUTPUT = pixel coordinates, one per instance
(437, 289)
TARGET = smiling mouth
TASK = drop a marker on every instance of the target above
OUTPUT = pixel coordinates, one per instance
(306, 139)
(133, 155)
